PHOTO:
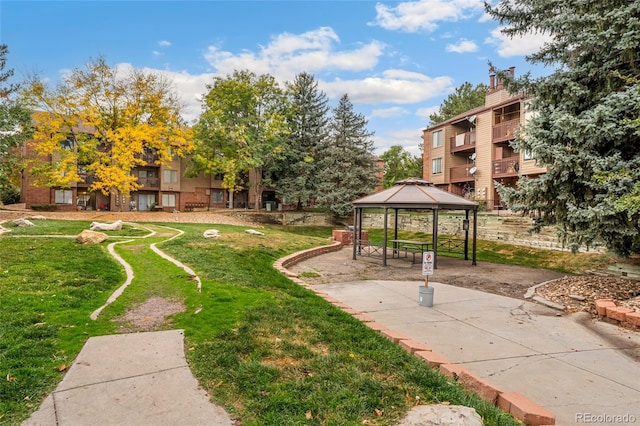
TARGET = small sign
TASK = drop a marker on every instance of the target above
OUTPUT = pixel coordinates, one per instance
(427, 263)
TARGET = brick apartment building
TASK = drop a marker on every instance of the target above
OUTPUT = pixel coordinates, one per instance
(467, 154)
(163, 188)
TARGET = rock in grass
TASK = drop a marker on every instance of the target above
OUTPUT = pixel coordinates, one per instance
(443, 415)
(91, 237)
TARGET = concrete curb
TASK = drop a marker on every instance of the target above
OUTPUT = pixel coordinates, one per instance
(531, 294)
(513, 403)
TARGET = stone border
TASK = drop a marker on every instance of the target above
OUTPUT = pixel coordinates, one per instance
(514, 403)
(626, 317)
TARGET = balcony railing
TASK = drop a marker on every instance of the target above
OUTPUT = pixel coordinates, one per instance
(149, 182)
(87, 179)
(505, 131)
(463, 142)
(150, 158)
(461, 173)
(506, 167)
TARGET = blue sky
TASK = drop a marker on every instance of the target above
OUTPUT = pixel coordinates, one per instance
(397, 61)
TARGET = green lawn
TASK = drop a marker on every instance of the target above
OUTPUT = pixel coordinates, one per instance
(268, 350)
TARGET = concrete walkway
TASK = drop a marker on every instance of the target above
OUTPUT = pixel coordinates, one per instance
(130, 379)
(583, 371)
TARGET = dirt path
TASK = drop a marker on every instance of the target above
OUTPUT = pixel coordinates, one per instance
(506, 280)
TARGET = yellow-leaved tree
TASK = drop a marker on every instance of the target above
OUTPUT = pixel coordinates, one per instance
(104, 121)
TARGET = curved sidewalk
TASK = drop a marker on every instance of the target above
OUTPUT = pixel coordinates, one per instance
(130, 379)
(557, 362)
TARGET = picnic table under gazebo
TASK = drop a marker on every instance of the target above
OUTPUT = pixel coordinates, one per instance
(419, 195)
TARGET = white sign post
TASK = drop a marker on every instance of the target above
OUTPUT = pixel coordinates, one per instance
(427, 266)
(426, 293)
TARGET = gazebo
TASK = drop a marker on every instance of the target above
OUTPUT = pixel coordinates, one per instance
(414, 194)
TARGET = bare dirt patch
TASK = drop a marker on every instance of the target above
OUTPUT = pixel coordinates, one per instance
(151, 315)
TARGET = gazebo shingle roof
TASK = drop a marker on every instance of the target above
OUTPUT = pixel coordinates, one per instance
(415, 193)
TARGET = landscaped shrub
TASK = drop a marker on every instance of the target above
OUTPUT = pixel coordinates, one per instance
(10, 195)
(44, 207)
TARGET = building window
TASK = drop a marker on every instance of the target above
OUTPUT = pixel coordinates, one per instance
(436, 166)
(217, 196)
(64, 196)
(170, 176)
(168, 200)
(437, 139)
(527, 154)
(67, 144)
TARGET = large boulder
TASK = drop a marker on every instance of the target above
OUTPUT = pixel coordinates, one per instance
(91, 237)
(99, 226)
(23, 222)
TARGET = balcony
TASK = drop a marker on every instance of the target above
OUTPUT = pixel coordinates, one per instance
(149, 182)
(150, 158)
(87, 179)
(463, 142)
(507, 167)
(505, 131)
(461, 173)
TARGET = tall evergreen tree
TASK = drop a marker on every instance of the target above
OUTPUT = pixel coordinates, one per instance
(464, 98)
(15, 128)
(308, 126)
(348, 168)
(583, 113)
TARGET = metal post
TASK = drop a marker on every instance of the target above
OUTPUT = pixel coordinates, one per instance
(384, 239)
(475, 233)
(355, 238)
(466, 236)
(435, 239)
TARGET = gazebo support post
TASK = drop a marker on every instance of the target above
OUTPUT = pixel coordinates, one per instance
(466, 235)
(434, 238)
(356, 232)
(395, 225)
(475, 233)
(384, 238)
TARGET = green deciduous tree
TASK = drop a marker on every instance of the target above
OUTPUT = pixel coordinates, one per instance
(15, 128)
(465, 98)
(308, 127)
(584, 118)
(104, 121)
(348, 168)
(242, 128)
(400, 164)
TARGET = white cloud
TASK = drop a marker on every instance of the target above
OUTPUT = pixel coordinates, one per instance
(396, 86)
(462, 46)
(424, 113)
(289, 54)
(388, 112)
(409, 139)
(157, 53)
(164, 43)
(519, 45)
(424, 15)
